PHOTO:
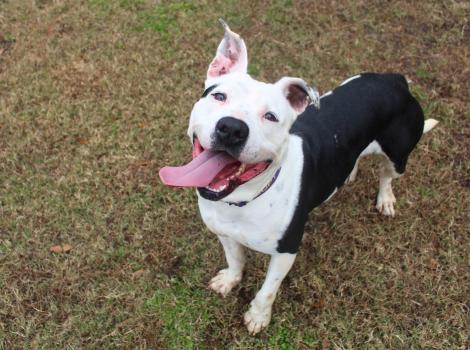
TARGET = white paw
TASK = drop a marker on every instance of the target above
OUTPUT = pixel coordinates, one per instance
(224, 281)
(385, 204)
(256, 319)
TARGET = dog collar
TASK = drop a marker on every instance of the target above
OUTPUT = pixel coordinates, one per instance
(267, 187)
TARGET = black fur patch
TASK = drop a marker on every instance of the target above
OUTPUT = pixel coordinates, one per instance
(372, 107)
(209, 89)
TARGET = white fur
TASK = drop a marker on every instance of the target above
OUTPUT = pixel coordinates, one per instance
(331, 195)
(326, 94)
(429, 124)
(258, 225)
(386, 198)
(353, 175)
(261, 223)
(228, 278)
(350, 79)
(247, 100)
(373, 148)
(259, 314)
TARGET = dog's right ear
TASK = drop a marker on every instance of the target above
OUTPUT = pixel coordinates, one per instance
(298, 93)
(231, 55)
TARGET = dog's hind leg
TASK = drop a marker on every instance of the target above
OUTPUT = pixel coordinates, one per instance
(396, 142)
(386, 198)
(228, 278)
(352, 176)
(372, 148)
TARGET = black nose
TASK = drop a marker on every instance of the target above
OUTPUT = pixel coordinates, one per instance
(231, 131)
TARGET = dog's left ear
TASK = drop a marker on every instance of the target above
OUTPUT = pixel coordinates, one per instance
(298, 93)
(231, 55)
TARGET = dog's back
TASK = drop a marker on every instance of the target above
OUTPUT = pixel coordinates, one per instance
(366, 108)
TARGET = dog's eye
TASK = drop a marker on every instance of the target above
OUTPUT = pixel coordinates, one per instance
(271, 117)
(220, 96)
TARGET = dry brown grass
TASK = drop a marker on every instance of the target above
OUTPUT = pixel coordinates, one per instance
(94, 99)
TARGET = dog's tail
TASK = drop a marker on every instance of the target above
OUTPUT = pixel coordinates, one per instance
(429, 124)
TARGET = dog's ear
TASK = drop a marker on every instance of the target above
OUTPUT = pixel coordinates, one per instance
(298, 93)
(231, 55)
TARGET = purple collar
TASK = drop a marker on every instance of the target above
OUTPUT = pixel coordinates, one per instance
(267, 187)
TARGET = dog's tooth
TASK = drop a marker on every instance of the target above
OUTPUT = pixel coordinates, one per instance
(218, 189)
(241, 169)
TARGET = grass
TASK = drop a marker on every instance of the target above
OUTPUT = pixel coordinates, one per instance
(94, 99)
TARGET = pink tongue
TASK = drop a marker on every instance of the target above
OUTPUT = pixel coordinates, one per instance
(197, 173)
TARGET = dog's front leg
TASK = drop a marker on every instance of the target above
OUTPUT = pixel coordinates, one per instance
(259, 314)
(228, 278)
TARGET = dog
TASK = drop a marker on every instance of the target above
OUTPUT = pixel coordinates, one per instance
(264, 155)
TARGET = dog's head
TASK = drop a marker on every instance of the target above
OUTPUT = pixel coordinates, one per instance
(239, 122)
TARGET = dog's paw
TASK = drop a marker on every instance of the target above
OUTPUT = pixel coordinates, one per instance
(224, 281)
(385, 204)
(256, 319)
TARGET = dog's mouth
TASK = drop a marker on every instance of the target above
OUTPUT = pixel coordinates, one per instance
(216, 174)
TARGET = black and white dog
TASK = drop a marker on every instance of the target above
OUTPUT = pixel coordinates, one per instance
(265, 155)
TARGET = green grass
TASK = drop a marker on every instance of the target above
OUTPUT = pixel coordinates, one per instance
(95, 97)
(163, 17)
(181, 326)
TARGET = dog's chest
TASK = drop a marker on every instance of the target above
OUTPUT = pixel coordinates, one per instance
(262, 222)
(255, 226)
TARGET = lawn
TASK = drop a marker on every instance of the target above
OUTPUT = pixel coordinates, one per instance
(94, 99)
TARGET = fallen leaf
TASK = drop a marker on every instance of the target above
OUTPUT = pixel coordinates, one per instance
(82, 141)
(64, 248)
(320, 304)
(325, 343)
(138, 273)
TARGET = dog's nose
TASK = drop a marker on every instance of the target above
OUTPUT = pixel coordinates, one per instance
(231, 131)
